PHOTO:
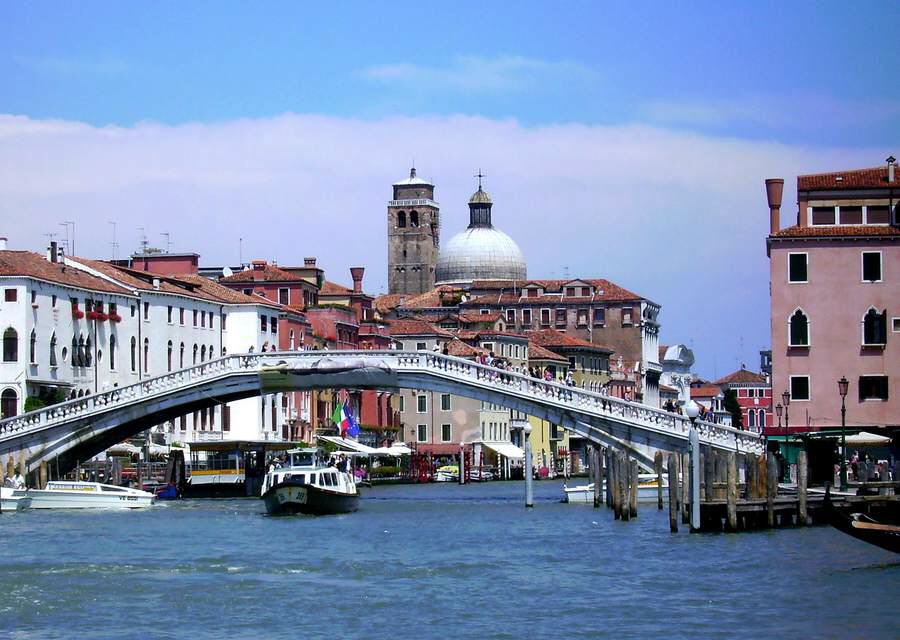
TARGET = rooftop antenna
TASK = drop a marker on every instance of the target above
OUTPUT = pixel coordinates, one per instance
(71, 242)
(144, 243)
(168, 240)
(115, 245)
(241, 251)
(66, 241)
(566, 272)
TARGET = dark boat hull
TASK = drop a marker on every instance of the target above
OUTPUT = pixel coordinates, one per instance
(293, 497)
(863, 528)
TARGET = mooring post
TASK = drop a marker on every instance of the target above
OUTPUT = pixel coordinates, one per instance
(802, 481)
(42, 475)
(709, 474)
(658, 464)
(598, 476)
(635, 486)
(771, 487)
(685, 459)
(625, 483)
(695, 479)
(529, 476)
(731, 495)
(750, 471)
(762, 477)
(462, 464)
(673, 492)
(607, 476)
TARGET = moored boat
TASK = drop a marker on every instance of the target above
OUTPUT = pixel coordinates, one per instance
(447, 473)
(862, 527)
(647, 490)
(306, 485)
(70, 494)
(10, 501)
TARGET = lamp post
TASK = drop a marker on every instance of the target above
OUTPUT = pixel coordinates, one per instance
(843, 386)
(786, 399)
(778, 411)
(691, 410)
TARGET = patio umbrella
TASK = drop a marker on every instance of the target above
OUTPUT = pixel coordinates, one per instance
(866, 439)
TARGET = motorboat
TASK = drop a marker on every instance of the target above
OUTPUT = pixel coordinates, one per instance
(480, 474)
(9, 501)
(447, 473)
(305, 484)
(647, 490)
(862, 527)
(72, 494)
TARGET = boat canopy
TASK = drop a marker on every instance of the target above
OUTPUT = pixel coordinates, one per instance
(396, 450)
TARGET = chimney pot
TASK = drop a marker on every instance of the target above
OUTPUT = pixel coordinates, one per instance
(357, 274)
(774, 192)
(156, 283)
(309, 262)
(2, 243)
(54, 252)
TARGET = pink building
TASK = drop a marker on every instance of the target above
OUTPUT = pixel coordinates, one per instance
(835, 290)
(754, 395)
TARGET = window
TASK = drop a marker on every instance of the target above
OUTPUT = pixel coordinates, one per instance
(195, 317)
(875, 328)
(203, 353)
(560, 317)
(401, 219)
(226, 418)
(762, 419)
(284, 296)
(196, 353)
(627, 316)
(421, 433)
(53, 350)
(871, 266)
(878, 215)
(446, 433)
(133, 353)
(585, 292)
(581, 317)
(181, 316)
(599, 317)
(181, 356)
(421, 404)
(545, 317)
(203, 319)
(822, 215)
(133, 308)
(798, 270)
(112, 353)
(526, 317)
(146, 354)
(751, 418)
(169, 314)
(32, 348)
(799, 388)
(895, 325)
(146, 311)
(9, 295)
(10, 344)
(799, 330)
(248, 292)
(264, 323)
(9, 403)
(511, 316)
(873, 388)
(53, 301)
(223, 322)
(169, 349)
(532, 293)
(851, 215)
(420, 346)
(273, 322)
(414, 218)
(402, 404)
(445, 402)
(570, 291)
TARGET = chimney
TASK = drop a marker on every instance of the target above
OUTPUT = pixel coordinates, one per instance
(156, 283)
(891, 163)
(54, 252)
(774, 191)
(357, 274)
(259, 270)
(2, 243)
(309, 262)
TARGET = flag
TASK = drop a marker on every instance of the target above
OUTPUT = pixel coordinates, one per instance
(337, 416)
(349, 425)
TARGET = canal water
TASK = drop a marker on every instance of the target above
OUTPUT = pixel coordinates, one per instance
(435, 561)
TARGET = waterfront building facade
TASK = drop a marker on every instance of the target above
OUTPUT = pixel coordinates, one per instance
(754, 395)
(835, 285)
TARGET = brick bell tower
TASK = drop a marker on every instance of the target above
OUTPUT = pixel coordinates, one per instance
(414, 233)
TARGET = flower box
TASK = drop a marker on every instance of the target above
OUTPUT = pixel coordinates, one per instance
(77, 314)
(115, 317)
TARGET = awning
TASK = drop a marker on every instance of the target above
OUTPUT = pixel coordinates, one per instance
(397, 449)
(506, 449)
(864, 438)
(349, 445)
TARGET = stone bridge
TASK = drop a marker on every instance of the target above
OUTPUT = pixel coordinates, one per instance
(79, 429)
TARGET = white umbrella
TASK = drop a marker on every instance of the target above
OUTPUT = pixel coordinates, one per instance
(864, 438)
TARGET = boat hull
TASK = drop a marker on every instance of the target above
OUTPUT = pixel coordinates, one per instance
(289, 497)
(87, 495)
(10, 501)
(584, 494)
(862, 528)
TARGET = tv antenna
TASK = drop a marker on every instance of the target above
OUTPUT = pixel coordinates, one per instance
(168, 237)
(114, 244)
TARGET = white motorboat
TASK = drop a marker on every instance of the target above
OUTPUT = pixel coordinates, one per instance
(647, 490)
(447, 473)
(71, 494)
(306, 485)
(9, 501)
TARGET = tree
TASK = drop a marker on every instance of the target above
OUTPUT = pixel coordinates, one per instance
(732, 407)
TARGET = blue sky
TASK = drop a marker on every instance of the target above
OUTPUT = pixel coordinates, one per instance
(173, 115)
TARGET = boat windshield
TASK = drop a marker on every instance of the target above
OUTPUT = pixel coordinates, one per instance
(303, 459)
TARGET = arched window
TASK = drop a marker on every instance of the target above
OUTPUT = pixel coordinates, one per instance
(203, 353)
(762, 419)
(875, 327)
(799, 330)
(196, 351)
(401, 218)
(10, 346)
(290, 340)
(53, 349)
(74, 351)
(32, 348)
(146, 354)
(88, 352)
(112, 353)
(133, 354)
(211, 352)
(751, 418)
(9, 403)
(414, 218)
(181, 356)
(82, 358)
(169, 356)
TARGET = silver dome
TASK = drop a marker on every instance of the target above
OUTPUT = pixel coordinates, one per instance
(480, 253)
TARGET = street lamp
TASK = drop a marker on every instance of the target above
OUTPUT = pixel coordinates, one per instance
(843, 386)
(691, 410)
(786, 399)
(778, 411)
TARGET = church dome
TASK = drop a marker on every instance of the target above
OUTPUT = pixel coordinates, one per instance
(480, 252)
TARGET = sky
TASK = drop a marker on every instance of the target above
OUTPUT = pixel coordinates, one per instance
(627, 143)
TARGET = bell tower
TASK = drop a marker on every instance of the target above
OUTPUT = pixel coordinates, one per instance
(414, 232)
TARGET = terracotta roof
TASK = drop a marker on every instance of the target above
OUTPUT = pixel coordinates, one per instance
(269, 273)
(460, 349)
(742, 375)
(442, 296)
(477, 318)
(555, 339)
(34, 265)
(228, 295)
(537, 352)
(333, 288)
(873, 178)
(143, 280)
(838, 230)
(411, 327)
(706, 391)
(388, 302)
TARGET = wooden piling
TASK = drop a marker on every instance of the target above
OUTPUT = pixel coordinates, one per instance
(750, 467)
(614, 482)
(598, 476)
(721, 482)
(43, 475)
(802, 481)
(731, 493)
(658, 464)
(624, 485)
(709, 473)
(607, 475)
(771, 487)
(762, 477)
(685, 488)
(10, 467)
(673, 492)
(635, 484)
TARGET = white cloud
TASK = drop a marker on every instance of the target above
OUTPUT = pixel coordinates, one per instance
(478, 74)
(680, 218)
